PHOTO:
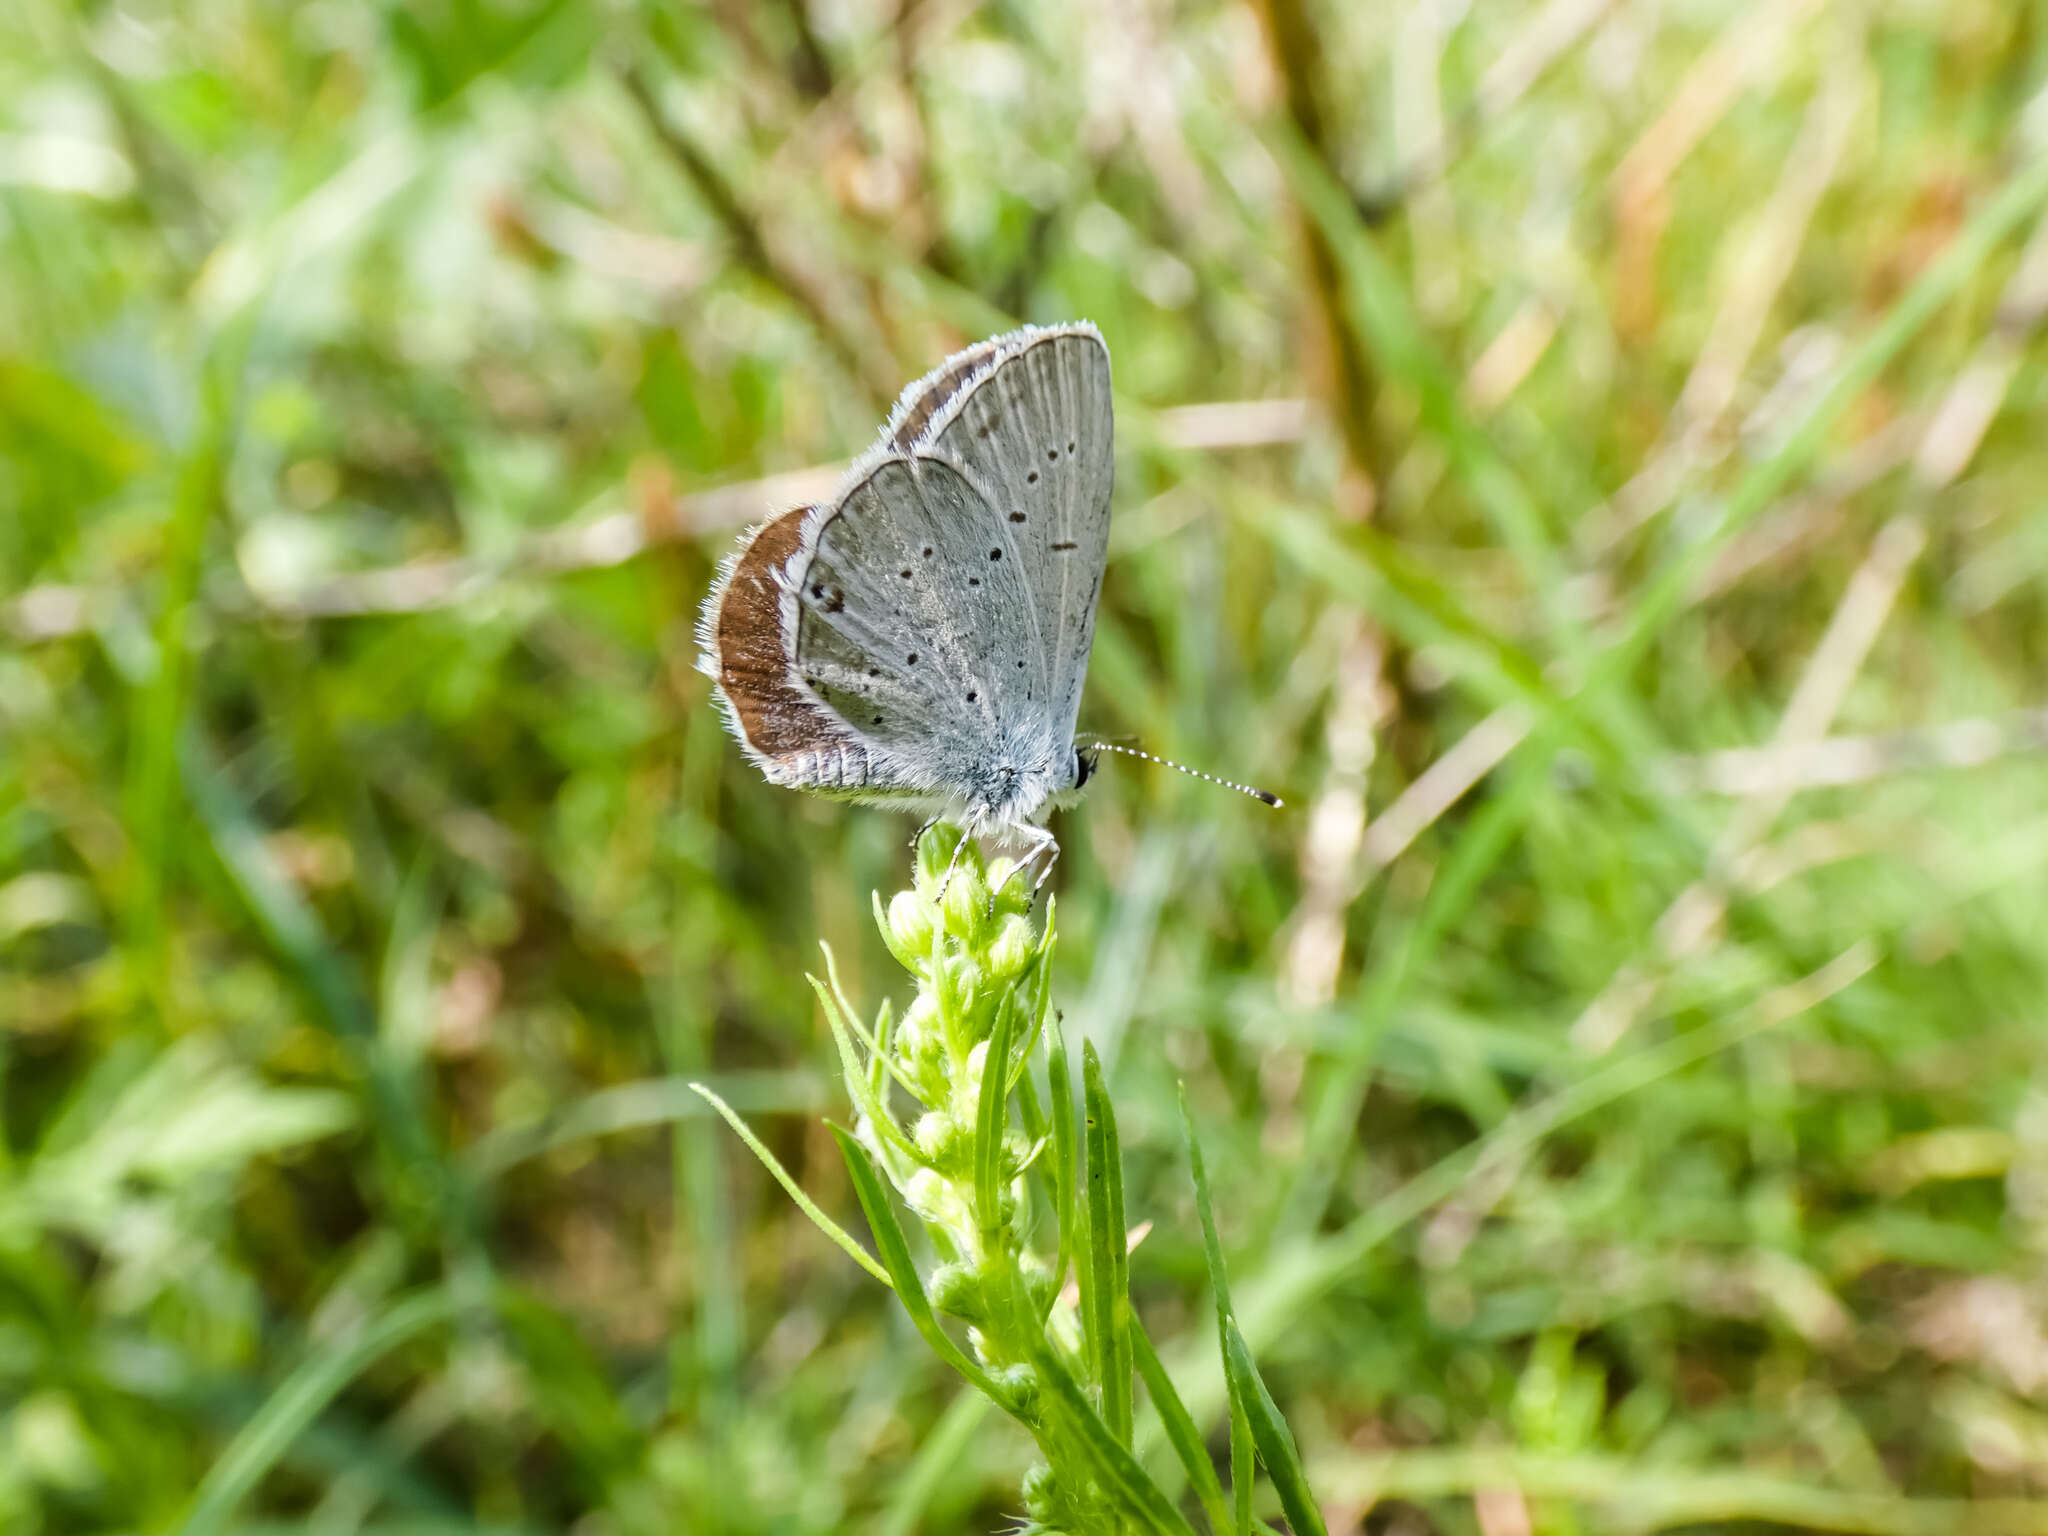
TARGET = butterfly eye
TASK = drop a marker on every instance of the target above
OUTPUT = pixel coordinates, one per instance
(1084, 767)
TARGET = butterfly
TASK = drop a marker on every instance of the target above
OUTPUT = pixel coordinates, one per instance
(921, 639)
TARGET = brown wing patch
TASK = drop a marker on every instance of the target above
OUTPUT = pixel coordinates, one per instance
(778, 718)
(935, 392)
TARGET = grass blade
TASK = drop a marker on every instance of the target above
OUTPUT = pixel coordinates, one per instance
(1380, 315)
(287, 1413)
(936, 1464)
(1242, 1472)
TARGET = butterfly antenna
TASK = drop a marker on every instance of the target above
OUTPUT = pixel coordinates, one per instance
(1264, 795)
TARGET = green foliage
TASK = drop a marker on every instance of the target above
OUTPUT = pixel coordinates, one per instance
(1061, 1367)
(1604, 1136)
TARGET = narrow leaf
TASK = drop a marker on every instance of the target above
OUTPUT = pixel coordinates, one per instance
(874, 1203)
(1181, 1432)
(1041, 996)
(875, 1045)
(870, 1103)
(992, 1123)
(1059, 1088)
(1219, 1278)
(1116, 1469)
(1108, 1262)
(991, 1119)
(1219, 1285)
(1242, 1470)
(879, 1058)
(1269, 1432)
(809, 1207)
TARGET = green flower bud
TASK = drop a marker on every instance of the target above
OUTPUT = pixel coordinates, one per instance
(1020, 1382)
(1041, 1492)
(956, 988)
(956, 1291)
(948, 1143)
(966, 902)
(920, 1048)
(928, 1194)
(1012, 947)
(907, 928)
(1014, 893)
(935, 852)
(1038, 1277)
(907, 1042)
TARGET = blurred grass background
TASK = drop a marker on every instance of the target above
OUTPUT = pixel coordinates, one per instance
(1613, 518)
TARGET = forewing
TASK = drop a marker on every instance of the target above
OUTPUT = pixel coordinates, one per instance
(1033, 435)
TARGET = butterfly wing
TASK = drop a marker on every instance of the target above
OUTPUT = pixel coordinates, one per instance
(939, 613)
(1033, 436)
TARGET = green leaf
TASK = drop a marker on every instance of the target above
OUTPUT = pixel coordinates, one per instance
(874, 1203)
(990, 1121)
(1115, 1468)
(1219, 1285)
(809, 1207)
(1181, 1432)
(869, 1102)
(1242, 1471)
(1269, 1432)
(1219, 1279)
(1108, 1287)
(1041, 996)
(1252, 1412)
(879, 1060)
(1059, 1088)
(238, 1118)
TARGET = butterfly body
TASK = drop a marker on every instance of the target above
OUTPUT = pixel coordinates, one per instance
(922, 639)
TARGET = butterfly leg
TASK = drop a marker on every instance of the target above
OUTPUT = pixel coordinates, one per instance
(1018, 866)
(953, 863)
(1052, 857)
(1042, 842)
